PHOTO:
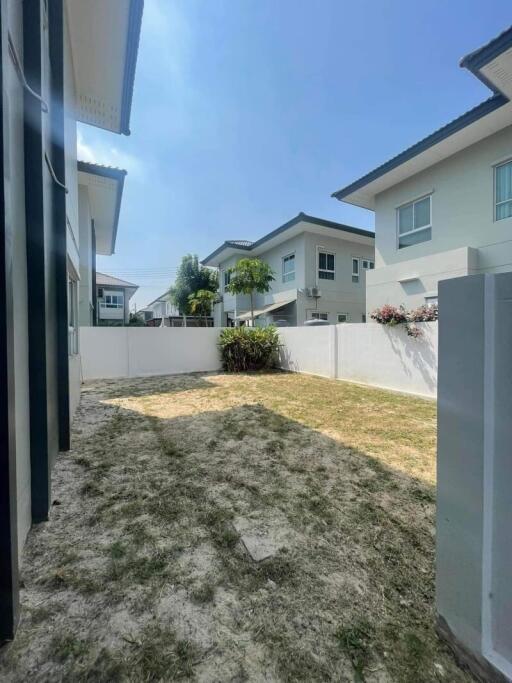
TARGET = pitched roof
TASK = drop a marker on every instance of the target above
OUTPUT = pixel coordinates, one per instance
(106, 185)
(474, 62)
(494, 102)
(246, 245)
(104, 280)
(484, 54)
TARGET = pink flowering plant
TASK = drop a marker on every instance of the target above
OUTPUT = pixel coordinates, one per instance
(391, 315)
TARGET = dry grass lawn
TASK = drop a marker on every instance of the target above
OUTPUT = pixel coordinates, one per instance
(143, 571)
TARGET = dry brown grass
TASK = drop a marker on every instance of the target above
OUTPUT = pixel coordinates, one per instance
(140, 574)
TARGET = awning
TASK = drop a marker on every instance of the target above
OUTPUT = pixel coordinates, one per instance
(266, 309)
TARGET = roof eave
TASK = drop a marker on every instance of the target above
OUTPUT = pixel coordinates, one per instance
(118, 174)
(483, 55)
(132, 50)
(483, 109)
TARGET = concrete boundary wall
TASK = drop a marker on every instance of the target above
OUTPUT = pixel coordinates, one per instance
(370, 354)
(115, 352)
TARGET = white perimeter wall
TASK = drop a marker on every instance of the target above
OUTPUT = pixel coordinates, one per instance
(109, 352)
(371, 353)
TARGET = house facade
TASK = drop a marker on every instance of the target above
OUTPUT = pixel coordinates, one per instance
(100, 190)
(113, 300)
(159, 308)
(320, 270)
(443, 208)
(61, 62)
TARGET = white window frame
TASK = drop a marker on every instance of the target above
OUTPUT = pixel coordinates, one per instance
(326, 270)
(319, 315)
(290, 276)
(414, 230)
(226, 278)
(110, 304)
(370, 263)
(495, 202)
(346, 315)
(356, 272)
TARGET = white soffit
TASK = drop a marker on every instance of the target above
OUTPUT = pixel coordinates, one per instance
(103, 200)
(487, 125)
(499, 72)
(98, 32)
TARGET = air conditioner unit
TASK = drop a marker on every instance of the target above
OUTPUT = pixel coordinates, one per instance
(314, 292)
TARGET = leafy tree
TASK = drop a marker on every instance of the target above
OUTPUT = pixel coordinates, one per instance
(201, 303)
(250, 275)
(190, 278)
(136, 320)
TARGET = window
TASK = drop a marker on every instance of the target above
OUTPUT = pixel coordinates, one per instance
(289, 268)
(503, 191)
(343, 317)
(72, 317)
(114, 301)
(431, 300)
(325, 266)
(316, 315)
(227, 278)
(414, 222)
(355, 270)
(368, 264)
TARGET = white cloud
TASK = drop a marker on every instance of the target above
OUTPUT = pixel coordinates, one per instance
(109, 155)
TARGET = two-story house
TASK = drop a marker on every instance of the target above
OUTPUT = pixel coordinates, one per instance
(160, 307)
(113, 300)
(320, 272)
(61, 61)
(100, 192)
(443, 207)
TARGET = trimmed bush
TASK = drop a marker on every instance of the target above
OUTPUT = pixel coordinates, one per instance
(249, 348)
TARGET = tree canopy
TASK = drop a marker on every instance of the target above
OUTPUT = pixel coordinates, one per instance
(191, 278)
(201, 303)
(250, 275)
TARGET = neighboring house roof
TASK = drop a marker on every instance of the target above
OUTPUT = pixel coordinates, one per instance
(475, 61)
(162, 297)
(485, 119)
(105, 185)
(104, 280)
(267, 309)
(267, 241)
(104, 40)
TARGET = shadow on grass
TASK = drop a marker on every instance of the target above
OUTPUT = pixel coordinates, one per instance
(351, 584)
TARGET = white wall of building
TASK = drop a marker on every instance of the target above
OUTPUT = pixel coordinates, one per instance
(462, 189)
(15, 214)
(340, 295)
(85, 291)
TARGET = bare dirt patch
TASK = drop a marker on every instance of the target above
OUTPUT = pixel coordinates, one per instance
(145, 570)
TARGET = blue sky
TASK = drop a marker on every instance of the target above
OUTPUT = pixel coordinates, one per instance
(246, 112)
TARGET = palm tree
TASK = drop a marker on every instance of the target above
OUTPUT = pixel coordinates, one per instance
(248, 276)
(201, 303)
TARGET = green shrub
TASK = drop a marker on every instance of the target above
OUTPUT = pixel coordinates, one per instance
(249, 348)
